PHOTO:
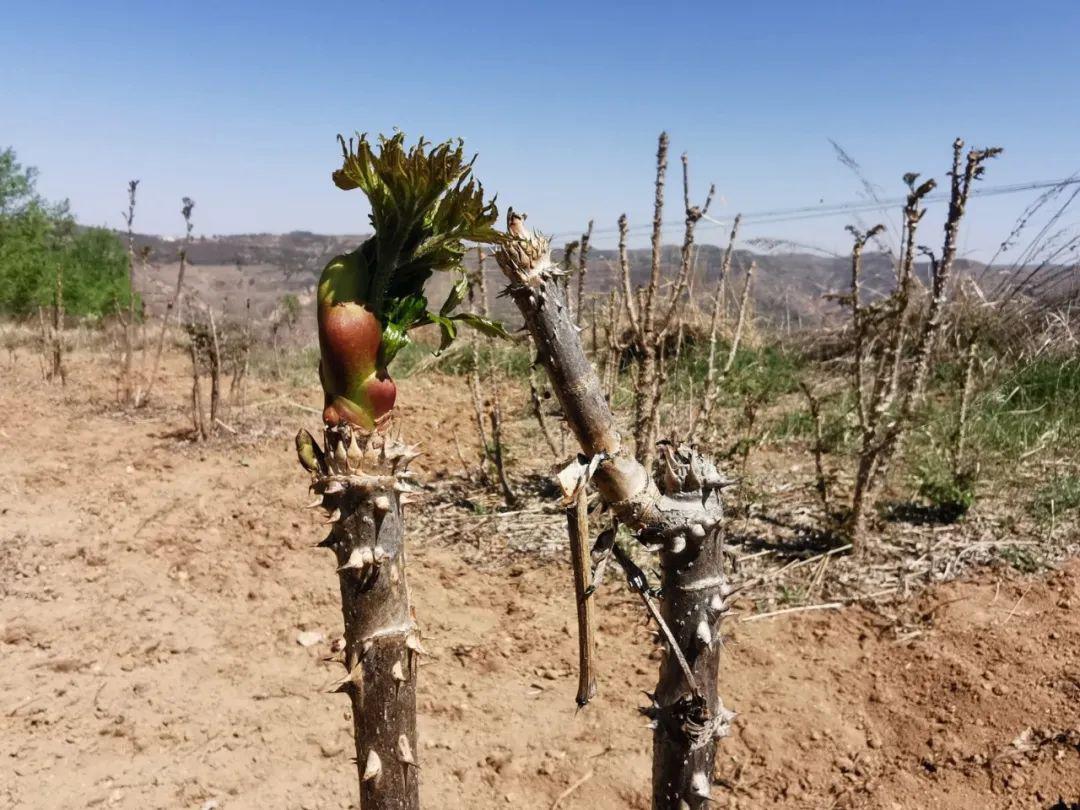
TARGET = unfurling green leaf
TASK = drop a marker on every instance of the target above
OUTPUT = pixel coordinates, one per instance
(401, 315)
(407, 311)
(456, 296)
(448, 330)
(394, 339)
(483, 325)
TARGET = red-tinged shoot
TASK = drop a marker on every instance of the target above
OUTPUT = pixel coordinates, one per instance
(425, 205)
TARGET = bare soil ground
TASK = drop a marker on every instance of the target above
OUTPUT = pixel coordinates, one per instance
(154, 593)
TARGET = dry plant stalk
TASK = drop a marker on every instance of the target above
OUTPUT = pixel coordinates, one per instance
(198, 414)
(215, 372)
(205, 351)
(240, 351)
(821, 483)
(492, 452)
(890, 337)
(478, 288)
(613, 346)
(650, 318)
(582, 269)
(127, 380)
(577, 524)
(677, 513)
(188, 205)
(703, 415)
(736, 338)
(495, 412)
(56, 336)
(959, 437)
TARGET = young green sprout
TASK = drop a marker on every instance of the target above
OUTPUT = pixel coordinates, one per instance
(425, 204)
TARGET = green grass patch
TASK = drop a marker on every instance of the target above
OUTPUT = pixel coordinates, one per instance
(839, 433)
(1035, 405)
(511, 360)
(764, 373)
(1057, 497)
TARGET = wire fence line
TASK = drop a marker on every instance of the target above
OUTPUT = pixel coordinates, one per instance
(821, 211)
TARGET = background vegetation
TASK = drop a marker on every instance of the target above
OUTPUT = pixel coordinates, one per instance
(39, 239)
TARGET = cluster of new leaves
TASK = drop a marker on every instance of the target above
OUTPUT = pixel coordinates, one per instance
(411, 311)
(425, 204)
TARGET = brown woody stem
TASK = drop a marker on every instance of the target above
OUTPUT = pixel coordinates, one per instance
(676, 514)
(577, 524)
(361, 489)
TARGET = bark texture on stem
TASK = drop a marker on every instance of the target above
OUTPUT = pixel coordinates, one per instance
(360, 486)
(689, 717)
(677, 514)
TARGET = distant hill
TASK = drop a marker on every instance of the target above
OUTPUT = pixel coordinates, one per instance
(297, 252)
(236, 269)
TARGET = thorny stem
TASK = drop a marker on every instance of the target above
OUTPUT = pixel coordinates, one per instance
(888, 380)
(686, 253)
(648, 334)
(215, 374)
(645, 383)
(883, 427)
(360, 487)
(653, 318)
(860, 324)
(958, 198)
(637, 582)
(609, 371)
(198, 416)
(657, 234)
(241, 360)
(624, 275)
(858, 318)
(679, 514)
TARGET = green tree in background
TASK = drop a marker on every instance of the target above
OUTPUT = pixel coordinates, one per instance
(39, 238)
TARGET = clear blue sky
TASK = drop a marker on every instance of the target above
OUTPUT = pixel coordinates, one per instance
(237, 104)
